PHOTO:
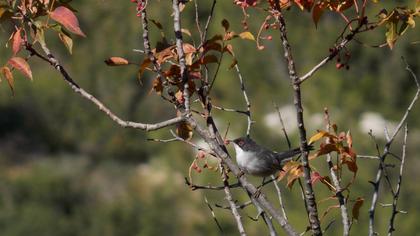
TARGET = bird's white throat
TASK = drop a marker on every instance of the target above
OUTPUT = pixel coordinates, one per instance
(243, 158)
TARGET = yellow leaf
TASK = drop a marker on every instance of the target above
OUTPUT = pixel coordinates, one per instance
(317, 136)
(247, 35)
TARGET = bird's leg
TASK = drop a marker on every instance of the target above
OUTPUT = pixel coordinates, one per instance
(258, 192)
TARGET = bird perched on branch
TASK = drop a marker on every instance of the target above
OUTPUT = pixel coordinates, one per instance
(256, 160)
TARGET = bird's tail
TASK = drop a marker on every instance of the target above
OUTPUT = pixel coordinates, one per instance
(288, 155)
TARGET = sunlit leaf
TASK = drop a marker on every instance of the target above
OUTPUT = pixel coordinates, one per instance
(68, 19)
(320, 135)
(247, 35)
(21, 65)
(116, 61)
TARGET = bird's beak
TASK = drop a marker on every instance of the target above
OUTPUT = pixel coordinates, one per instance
(228, 141)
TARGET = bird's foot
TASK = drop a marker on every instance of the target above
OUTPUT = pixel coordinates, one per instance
(257, 193)
(240, 174)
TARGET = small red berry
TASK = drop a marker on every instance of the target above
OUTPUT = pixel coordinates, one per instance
(270, 37)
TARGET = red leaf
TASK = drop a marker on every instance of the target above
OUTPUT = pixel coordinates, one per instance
(68, 19)
(9, 77)
(17, 42)
(317, 13)
(21, 65)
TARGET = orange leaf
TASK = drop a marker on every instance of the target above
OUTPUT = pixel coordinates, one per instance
(356, 207)
(68, 19)
(116, 61)
(9, 77)
(17, 42)
(21, 65)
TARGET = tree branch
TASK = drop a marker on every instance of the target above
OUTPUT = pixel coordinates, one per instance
(181, 55)
(123, 123)
(232, 204)
(395, 211)
(309, 193)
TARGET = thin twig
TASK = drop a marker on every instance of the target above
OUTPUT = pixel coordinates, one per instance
(248, 104)
(283, 210)
(380, 170)
(208, 187)
(213, 215)
(206, 27)
(395, 210)
(282, 125)
(232, 204)
(242, 206)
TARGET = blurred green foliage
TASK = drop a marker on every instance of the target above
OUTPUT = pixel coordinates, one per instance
(66, 169)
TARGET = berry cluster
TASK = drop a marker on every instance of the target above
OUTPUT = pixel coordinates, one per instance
(141, 5)
(245, 3)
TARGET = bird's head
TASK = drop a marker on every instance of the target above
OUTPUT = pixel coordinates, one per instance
(244, 143)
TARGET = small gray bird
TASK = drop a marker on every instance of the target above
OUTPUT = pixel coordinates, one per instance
(256, 160)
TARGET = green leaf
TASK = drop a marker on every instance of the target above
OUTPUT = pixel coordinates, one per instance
(67, 41)
(391, 33)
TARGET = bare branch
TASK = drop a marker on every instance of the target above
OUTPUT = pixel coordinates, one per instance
(242, 206)
(123, 123)
(368, 157)
(232, 204)
(386, 151)
(395, 211)
(203, 36)
(248, 104)
(213, 214)
(282, 125)
(309, 193)
(283, 210)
